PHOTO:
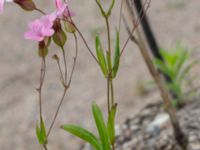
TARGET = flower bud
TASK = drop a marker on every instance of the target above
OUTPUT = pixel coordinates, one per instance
(69, 27)
(27, 5)
(42, 49)
(55, 57)
(59, 36)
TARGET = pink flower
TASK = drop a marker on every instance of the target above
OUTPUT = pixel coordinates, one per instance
(41, 28)
(62, 10)
(2, 5)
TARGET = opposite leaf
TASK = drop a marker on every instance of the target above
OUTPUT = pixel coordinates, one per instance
(83, 134)
(111, 124)
(101, 56)
(41, 133)
(116, 56)
(99, 120)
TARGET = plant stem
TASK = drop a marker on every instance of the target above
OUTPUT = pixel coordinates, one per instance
(56, 113)
(42, 76)
(65, 64)
(120, 14)
(108, 95)
(84, 41)
(112, 92)
(110, 88)
(45, 147)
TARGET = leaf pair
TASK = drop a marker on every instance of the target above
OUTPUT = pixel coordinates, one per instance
(41, 133)
(106, 133)
(104, 64)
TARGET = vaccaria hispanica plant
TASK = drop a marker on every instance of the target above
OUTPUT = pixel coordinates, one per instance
(54, 28)
(176, 65)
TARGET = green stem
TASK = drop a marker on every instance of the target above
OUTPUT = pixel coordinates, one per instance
(108, 95)
(65, 64)
(112, 92)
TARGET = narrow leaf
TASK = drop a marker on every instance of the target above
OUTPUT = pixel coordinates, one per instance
(38, 133)
(111, 124)
(116, 56)
(99, 120)
(101, 56)
(83, 134)
(43, 132)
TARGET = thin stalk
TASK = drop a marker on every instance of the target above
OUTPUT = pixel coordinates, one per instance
(45, 147)
(112, 92)
(60, 70)
(75, 60)
(42, 76)
(41, 11)
(135, 23)
(120, 14)
(56, 113)
(84, 41)
(65, 64)
(108, 94)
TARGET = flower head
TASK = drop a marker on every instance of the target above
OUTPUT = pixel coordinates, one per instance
(2, 5)
(41, 28)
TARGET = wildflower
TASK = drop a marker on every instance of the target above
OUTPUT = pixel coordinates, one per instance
(41, 28)
(2, 5)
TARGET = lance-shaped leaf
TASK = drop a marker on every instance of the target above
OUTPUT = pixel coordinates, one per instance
(111, 124)
(116, 56)
(102, 130)
(41, 133)
(83, 134)
(101, 56)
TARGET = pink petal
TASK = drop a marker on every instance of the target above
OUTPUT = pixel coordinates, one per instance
(31, 36)
(1, 6)
(58, 4)
(47, 32)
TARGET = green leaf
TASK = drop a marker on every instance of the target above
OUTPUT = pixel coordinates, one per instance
(162, 67)
(181, 60)
(111, 124)
(116, 56)
(41, 132)
(83, 134)
(186, 70)
(38, 133)
(102, 130)
(101, 56)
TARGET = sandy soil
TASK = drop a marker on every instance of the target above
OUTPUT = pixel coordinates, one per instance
(19, 71)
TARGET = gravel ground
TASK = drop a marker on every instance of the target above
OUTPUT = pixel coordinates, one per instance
(19, 70)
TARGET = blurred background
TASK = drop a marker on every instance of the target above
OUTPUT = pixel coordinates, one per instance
(172, 21)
